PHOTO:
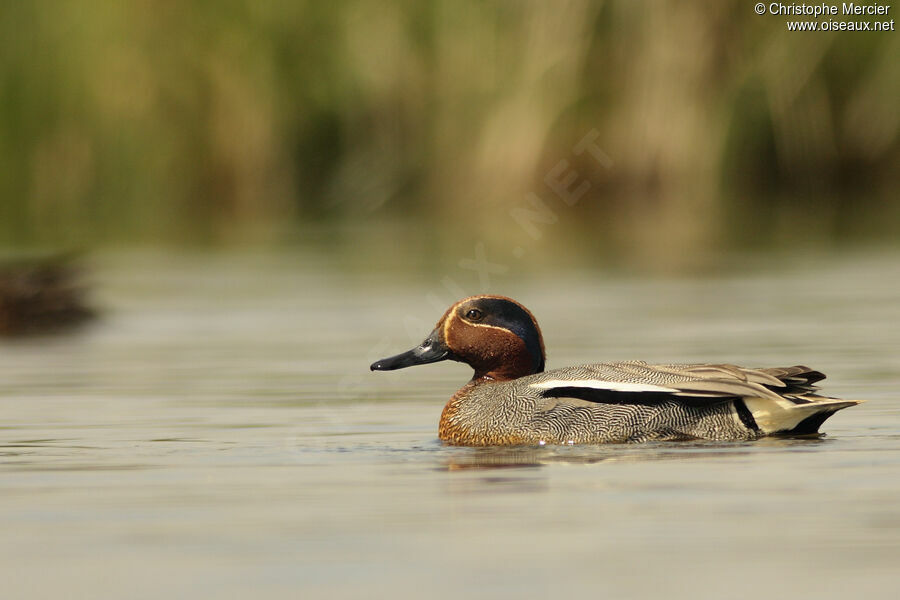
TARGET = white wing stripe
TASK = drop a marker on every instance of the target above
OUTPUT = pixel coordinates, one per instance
(599, 384)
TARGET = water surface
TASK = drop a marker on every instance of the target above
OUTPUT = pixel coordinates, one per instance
(218, 433)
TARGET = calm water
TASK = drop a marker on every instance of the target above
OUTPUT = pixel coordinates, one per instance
(218, 434)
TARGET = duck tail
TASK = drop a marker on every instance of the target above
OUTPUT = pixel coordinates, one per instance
(800, 414)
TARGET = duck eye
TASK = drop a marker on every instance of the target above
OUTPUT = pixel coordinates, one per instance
(474, 314)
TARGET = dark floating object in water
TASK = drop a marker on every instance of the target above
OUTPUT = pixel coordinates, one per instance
(41, 295)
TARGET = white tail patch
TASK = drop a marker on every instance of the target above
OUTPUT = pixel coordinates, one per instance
(772, 416)
(599, 384)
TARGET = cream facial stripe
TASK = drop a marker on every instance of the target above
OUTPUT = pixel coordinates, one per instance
(450, 314)
(597, 384)
(453, 315)
(488, 326)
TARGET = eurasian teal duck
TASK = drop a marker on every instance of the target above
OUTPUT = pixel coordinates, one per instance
(512, 400)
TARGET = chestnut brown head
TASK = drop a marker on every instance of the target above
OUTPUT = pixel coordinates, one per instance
(496, 336)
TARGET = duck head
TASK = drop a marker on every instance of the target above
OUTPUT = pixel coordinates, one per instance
(496, 336)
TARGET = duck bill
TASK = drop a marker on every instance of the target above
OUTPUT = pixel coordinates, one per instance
(433, 349)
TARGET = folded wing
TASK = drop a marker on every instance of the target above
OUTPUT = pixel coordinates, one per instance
(780, 399)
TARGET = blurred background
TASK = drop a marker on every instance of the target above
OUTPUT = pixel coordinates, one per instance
(409, 132)
(242, 204)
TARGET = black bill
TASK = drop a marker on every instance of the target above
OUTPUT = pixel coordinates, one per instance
(433, 349)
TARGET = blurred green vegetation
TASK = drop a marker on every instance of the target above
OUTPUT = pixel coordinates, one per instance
(423, 124)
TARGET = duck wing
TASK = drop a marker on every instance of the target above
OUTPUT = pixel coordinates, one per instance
(780, 399)
(637, 382)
